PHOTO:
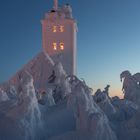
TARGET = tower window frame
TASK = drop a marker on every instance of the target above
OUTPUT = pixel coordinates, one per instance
(54, 45)
(62, 45)
(61, 28)
(54, 29)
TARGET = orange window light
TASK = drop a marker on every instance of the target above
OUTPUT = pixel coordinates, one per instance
(61, 28)
(61, 46)
(54, 29)
(55, 46)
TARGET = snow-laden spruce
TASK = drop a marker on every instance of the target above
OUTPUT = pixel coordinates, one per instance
(68, 108)
(24, 115)
(89, 117)
(3, 96)
(91, 122)
(104, 101)
(31, 119)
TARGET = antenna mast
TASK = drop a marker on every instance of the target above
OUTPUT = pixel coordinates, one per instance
(55, 5)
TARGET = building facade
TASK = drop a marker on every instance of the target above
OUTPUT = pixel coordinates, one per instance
(59, 36)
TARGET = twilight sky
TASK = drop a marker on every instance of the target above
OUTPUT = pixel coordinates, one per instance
(108, 37)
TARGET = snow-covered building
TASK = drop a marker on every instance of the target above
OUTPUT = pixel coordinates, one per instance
(59, 31)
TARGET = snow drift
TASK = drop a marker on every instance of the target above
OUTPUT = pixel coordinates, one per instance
(42, 102)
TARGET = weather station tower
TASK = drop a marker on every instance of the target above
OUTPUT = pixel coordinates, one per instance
(59, 36)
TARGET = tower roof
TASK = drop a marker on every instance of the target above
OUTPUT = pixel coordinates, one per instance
(62, 12)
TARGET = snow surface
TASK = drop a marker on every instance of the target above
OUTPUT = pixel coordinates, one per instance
(41, 102)
(3, 96)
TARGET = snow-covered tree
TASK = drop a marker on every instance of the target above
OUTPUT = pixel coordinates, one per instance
(89, 117)
(3, 96)
(32, 116)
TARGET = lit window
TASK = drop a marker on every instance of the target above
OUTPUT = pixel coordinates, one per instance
(55, 46)
(61, 28)
(61, 46)
(54, 29)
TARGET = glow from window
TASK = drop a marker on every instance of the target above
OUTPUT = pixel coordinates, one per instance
(61, 46)
(54, 29)
(55, 46)
(61, 28)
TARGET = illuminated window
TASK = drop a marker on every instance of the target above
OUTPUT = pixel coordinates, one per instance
(54, 29)
(55, 46)
(61, 28)
(61, 46)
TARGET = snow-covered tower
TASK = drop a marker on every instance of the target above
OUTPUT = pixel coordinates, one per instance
(59, 31)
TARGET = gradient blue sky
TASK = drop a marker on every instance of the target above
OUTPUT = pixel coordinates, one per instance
(108, 37)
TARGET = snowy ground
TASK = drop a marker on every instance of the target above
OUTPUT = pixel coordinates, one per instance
(41, 103)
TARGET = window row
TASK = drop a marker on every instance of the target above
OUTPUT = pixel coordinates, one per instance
(57, 46)
(58, 29)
